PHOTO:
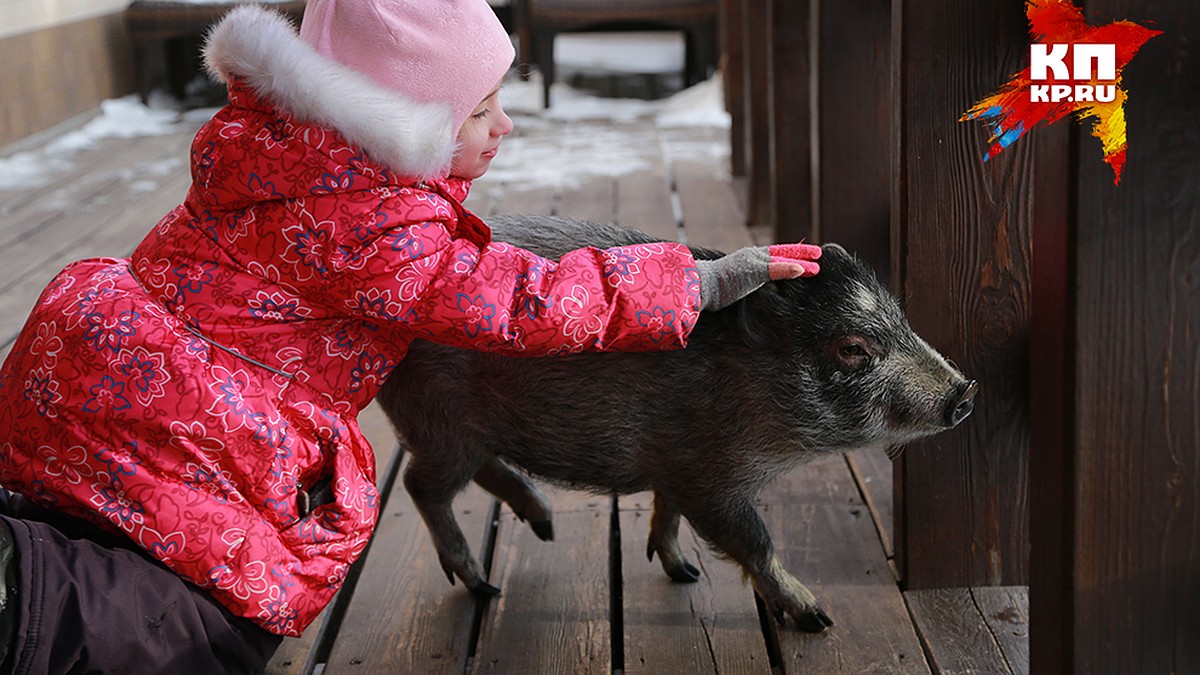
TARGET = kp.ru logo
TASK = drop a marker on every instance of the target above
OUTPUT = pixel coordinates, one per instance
(1048, 90)
(1048, 62)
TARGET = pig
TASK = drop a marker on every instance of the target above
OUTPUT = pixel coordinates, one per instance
(797, 370)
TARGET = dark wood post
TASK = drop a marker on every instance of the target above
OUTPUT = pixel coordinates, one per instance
(1052, 387)
(1116, 479)
(756, 57)
(791, 120)
(961, 260)
(852, 187)
(733, 72)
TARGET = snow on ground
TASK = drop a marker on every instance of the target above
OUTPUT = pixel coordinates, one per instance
(581, 135)
(123, 117)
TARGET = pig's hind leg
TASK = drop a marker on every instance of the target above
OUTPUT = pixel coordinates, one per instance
(433, 485)
(735, 529)
(522, 496)
(664, 540)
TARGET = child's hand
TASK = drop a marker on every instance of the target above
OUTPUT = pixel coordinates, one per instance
(726, 280)
(792, 261)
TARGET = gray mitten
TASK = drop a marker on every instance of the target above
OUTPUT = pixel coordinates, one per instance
(726, 280)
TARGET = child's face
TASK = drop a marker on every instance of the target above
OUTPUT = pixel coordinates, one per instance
(479, 138)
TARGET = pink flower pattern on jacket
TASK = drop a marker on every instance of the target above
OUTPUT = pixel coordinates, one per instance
(187, 396)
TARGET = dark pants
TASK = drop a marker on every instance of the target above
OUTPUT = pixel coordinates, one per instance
(89, 603)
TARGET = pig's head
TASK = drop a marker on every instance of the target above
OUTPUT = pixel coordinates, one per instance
(863, 377)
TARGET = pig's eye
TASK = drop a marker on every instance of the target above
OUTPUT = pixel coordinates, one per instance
(853, 352)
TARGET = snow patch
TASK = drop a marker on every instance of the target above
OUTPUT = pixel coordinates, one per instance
(123, 117)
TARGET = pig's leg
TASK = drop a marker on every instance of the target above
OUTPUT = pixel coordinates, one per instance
(664, 540)
(520, 493)
(734, 527)
(433, 486)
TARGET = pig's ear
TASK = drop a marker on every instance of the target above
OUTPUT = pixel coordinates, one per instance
(834, 257)
(838, 264)
(762, 319)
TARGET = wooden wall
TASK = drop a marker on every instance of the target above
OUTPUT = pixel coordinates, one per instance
(1115, 479)
(1074, 302)
(54, 73)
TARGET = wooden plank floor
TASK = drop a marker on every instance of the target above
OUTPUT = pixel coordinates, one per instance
(588, 602)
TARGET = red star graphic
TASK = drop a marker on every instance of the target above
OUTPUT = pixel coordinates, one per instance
(1012, 111)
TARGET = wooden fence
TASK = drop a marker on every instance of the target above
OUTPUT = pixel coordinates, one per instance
(1074, 302)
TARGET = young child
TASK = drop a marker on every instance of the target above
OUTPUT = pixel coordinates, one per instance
(188, 479)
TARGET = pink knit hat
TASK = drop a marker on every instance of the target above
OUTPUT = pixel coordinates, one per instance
(451, 51)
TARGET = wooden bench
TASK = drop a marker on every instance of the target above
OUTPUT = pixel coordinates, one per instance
(539, 21)
(173, 30)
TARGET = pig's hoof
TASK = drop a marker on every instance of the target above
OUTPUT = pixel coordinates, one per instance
(447, 569)
(815, 621)
(485, 590)
(544, 529)
(684, 573)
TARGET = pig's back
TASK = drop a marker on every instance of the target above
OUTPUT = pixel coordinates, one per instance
(553, 236)
(592, 421)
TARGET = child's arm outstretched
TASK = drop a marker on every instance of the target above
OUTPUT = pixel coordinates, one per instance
(498, 297)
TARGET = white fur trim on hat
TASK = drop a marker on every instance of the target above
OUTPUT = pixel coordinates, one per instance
(260, 46)
(451, 51)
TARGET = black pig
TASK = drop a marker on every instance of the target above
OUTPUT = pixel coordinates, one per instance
(797, 370)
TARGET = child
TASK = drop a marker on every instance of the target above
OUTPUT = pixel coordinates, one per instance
(184, 420)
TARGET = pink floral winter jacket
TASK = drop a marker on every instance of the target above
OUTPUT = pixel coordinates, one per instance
(193, 396)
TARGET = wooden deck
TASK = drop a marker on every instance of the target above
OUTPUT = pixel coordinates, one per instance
(589, 601)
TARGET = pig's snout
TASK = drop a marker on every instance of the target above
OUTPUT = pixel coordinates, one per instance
(961, 403)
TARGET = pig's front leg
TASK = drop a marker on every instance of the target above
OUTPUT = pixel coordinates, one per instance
(432, 488)
(734, 527)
